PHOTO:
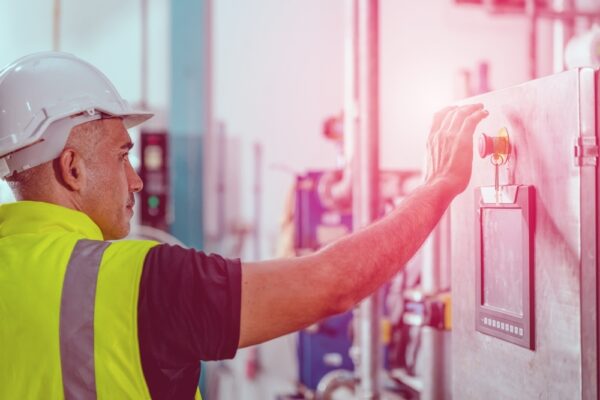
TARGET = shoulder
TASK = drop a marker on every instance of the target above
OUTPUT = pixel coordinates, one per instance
(130, 248)
(163, 255)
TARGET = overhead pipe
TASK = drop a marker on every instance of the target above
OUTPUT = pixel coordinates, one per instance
(563, 14)
(569, 13)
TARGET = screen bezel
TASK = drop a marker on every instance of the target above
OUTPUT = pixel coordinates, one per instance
(490, 320)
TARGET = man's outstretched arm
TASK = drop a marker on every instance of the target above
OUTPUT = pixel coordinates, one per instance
(282, 296)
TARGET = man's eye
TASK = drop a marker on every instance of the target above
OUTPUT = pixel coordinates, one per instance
(125, 156)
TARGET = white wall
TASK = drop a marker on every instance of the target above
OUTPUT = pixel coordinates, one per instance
(277, 76)
(107, 34)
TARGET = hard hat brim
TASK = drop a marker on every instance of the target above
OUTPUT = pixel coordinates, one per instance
(136, 118)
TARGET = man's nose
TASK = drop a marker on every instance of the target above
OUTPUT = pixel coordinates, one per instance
(135, 182)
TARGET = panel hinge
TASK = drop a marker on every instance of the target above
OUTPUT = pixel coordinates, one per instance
(586, 151)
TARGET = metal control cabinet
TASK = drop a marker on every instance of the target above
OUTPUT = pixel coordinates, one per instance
(552, 127)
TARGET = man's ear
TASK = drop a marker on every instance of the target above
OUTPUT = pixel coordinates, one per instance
(71, 169)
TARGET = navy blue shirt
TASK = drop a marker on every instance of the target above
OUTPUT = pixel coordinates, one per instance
(188, 310)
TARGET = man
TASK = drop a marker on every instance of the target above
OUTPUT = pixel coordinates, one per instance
(83, 318)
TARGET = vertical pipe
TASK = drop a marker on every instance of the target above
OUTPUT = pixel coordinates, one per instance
(531, 12)
(222, 159)
(208, 46)
(350, 130)
(365, 186)
(430, 273)
(562, 31)
(433, 370)
(144, 56)
(350, 79)
(56, 26)
(257, 199)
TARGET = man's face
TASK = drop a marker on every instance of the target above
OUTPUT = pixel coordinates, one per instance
(110, 180)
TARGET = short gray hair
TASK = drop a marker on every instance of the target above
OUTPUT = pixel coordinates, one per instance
(83, 137)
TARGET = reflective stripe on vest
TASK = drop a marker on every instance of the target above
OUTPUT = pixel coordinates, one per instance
(77, 319)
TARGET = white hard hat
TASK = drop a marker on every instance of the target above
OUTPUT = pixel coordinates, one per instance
(42, 97)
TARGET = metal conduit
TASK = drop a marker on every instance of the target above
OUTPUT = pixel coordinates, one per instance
(56, 19)
(531, 12)
(144, 55)
(436, 255)
(341, 191)
(365, 185)
(336, 191)
(361, 178)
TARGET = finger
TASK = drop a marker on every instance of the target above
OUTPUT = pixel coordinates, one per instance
(471, 122)
(448, 120)
(439, 116)
(461, 114)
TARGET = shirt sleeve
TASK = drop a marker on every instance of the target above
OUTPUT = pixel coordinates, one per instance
(189, 307)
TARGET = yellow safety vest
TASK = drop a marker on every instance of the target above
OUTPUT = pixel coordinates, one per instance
(68, 307)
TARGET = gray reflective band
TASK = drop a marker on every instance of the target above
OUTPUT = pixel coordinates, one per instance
(77, 320)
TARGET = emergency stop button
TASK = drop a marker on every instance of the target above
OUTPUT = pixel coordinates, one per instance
(498, 146)
(486, 145)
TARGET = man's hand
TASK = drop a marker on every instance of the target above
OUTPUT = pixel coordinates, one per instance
(450, 145)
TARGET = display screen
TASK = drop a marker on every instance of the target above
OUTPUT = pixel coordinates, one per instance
(502, 259)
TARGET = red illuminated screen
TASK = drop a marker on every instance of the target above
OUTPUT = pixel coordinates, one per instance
(502, 263)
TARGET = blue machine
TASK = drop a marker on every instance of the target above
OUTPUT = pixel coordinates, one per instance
(315, 225)
(323, 347)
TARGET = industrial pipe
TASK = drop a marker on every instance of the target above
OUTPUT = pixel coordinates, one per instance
(563, 14)
(365, 185)
(256, 232)
(144, 56)
(562, 31)
(359, 181)
(532, 15)
(434, 342)
(335, 190)
(56, 22)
